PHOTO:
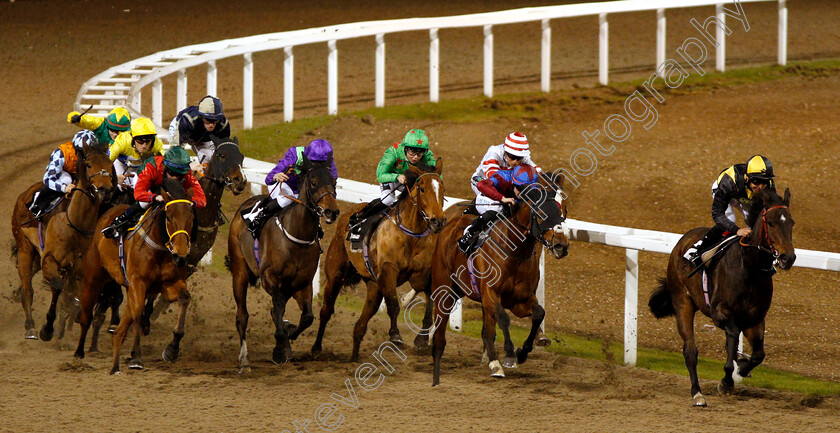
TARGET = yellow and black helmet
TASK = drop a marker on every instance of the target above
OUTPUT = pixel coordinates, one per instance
(759, 167)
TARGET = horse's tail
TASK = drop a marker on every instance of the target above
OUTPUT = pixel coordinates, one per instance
(660, 303)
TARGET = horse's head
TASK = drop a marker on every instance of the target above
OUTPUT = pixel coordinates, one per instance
(425, 188)
(96, 173)
(546, 218)
(226, 165)
(317, 188)
(179, 214)
(773, 226)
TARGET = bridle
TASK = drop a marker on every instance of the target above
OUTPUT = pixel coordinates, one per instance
(218, 176)
(90, 192)
(178, 232)
(765, 237)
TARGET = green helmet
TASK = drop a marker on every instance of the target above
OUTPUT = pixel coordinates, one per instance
(118, 119)
(177, 160)
(417, 139)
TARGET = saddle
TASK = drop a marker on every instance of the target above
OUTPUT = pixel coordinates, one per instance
(51, 204)
(710, 256)
(359, 234)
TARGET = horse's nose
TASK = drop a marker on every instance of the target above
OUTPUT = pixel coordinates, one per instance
(331, 215)
(180, 261)
(786, 261)
(560, 251)
(437, 224)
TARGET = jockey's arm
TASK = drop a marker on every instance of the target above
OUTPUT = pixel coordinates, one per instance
(54, 168)
(527, 160)
(386, 170)
(724, 194)
(489, 188)
(87, 121)
(429, 158)
(288, 160)
(145, 181)
(198, 193)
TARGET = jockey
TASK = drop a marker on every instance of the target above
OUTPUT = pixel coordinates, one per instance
(61, 171)
(412, 150)
(131, 148)
(503, 187)
(174, 164)
(287, 172)
(194, 125)
(734, 188)
(106, 128)
(505, 156)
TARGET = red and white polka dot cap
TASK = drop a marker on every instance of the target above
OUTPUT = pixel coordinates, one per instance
(517, 144)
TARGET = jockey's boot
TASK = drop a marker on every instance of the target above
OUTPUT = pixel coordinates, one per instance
(712, 237)
(265, 211)
(115, 228)
(41, 200)
(466, 242)
(371, 208)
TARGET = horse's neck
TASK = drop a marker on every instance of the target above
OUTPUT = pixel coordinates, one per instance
(305, 223)
(213, 193)
(409, 215)
(512, 232)
(82, 211)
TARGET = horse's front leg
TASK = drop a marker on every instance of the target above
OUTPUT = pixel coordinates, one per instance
(133, 311)
(176, 291)
(136, 361)
(28, 262)
(374, 298)
(423, 284)
(755, 336)
(732, 333)
(51, 275)
(388, 285)
(488, 331)
(282, 348)
(304, 301)
(537, 313)
(503, 319)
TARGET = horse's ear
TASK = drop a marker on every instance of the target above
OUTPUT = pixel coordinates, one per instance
(414, 169)
(236, 140)
(786, 200)
(439, 165)
(216, 140)
(165, 195)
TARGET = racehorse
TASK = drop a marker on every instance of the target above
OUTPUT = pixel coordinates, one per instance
(740, 288)
(285, 259)
(399, 250)
(224, 170)
(57, 245)
(503, 273)
(155, 261)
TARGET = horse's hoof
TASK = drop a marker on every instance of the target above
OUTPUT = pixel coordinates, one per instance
(510, 363)
(397, 340)
(31, 334)
(136, 364)
(93, 349)
(245, 369)
(46, 333)
(115, 373)
(542, 341)
(279, 356)
(79, 354)
(521, 356)
(316, 350)
(112, 329)
(170, 354)
(725, 390)
(699, 400)
(496, 369)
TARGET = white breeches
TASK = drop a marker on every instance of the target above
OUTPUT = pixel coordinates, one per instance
(389, 192)
(282, 200)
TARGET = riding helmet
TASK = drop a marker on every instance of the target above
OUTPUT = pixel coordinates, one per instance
(759, 167)
(177, 160)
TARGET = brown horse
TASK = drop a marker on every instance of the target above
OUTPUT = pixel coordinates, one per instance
(284, 260)
(224, 170)
(741, 288)
(155, 261)
(400, 250)
(63, 236)
(502, 274)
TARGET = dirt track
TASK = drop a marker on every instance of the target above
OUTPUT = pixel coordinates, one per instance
(657, 180)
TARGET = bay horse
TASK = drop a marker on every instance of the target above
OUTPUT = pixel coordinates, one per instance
(155, 262)
(400, 251)
(285, 259)
(223, 171)
(740, 288)
(501, 274)
(56, 247)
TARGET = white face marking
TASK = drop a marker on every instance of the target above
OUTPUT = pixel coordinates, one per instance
(782, 219)
(436, 187)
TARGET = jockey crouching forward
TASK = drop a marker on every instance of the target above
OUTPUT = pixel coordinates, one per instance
(175, 165)
(513, 152)
(61, 171)
(131, 148)
(734, 188)
(503, 187)
(106, 129)
(412, 150)
(194, 125)
(287, 172)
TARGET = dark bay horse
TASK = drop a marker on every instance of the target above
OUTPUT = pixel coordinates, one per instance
(223, 171)
(286, 258)
(400, 250)
(741, 288)
(65, 233)
(506, 273)
(155, 261)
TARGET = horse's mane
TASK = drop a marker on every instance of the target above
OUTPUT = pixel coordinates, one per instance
(174, 188)
(766, 198)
